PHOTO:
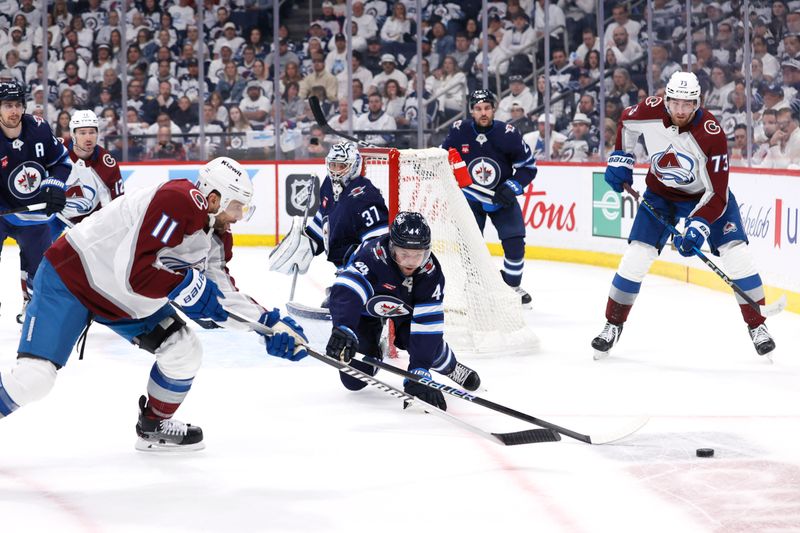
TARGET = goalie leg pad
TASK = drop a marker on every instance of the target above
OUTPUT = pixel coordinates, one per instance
(294, 250)
(31, 379)
(741, 268)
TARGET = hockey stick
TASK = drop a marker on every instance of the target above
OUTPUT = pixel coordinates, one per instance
(605, 438)
(322, 122)
(763, 310)
(23, 209)
(528, 436)
(295, 269)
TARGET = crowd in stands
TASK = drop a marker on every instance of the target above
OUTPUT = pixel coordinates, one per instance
(166, 96)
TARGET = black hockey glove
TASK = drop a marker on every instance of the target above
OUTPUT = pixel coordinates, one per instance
(426, 394)
(53, 195)
(506, 194)
(343, 344)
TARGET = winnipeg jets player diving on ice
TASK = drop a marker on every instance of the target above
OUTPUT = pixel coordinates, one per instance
(121, 267)
(351, 211)
(395, 277)
(688, 177)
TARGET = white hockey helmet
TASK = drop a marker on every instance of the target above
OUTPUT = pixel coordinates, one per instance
(683, 86)
(343, 162)
(230, 180)
(83, 118)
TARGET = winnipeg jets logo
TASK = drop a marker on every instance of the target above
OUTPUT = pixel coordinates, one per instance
(357, 191)
(17, 144)
(484, 171)
(481, 138)
(23, 181)
(386, 306)
(671, 165)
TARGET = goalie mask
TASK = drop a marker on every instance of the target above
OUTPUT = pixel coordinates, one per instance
(227, 178)
(343, 163)
(410, 241)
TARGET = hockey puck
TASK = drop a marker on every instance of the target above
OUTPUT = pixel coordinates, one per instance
(705, 452)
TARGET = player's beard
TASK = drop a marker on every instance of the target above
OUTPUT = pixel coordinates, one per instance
(8, 124)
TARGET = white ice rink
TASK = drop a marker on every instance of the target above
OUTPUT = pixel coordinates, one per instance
(289, 450)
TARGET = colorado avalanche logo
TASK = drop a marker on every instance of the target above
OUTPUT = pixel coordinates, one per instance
(24, 181)
(386, 306)
(671, 165)
(81, 199)
(484, 171)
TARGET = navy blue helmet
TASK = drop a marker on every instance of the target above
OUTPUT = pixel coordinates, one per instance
(12, 91)
(481, 95)
(410, 230)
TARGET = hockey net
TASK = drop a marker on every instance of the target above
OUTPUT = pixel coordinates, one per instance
(482, 314)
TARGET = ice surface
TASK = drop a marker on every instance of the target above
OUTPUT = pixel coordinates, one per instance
(288, 449)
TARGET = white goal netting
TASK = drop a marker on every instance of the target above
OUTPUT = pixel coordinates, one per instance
(482, 314)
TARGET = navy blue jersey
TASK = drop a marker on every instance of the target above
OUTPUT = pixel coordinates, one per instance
(359, 214)
(372, 284)
(25, 162)
(492, 156)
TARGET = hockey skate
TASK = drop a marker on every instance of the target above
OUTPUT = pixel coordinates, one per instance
(607, 339)
(762, 340)
(166, 435)
(524, 296)
(465, 376)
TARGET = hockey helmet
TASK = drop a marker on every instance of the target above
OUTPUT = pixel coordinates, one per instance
(683, 86)
(230, 180)
(343, 163)
(83, 118)
(482, 95)
(410, 239)
(12, 91)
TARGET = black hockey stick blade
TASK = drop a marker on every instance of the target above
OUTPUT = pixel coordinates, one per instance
(528, 436)
(605, 438)
(322, 122)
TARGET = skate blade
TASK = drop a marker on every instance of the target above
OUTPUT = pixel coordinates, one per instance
(598, 355)
(148, 446)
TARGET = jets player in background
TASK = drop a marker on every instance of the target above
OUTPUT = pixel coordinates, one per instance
(351, 211)
(688, 177)
(395, 277)
(145, 250)
(34, 166)
(497, 158)
(95, 179)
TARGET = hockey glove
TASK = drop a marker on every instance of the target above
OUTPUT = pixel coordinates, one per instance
(619, 170)
(52, 193)
(506, 194)
(343, 344)
(199, 297)
(288, 339)
(426, 394)
(696, 233)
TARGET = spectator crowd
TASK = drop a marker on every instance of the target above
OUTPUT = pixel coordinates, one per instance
(161, 63)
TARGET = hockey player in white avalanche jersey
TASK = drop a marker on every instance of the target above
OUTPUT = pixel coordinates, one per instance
(688, 177)
(121, 267)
